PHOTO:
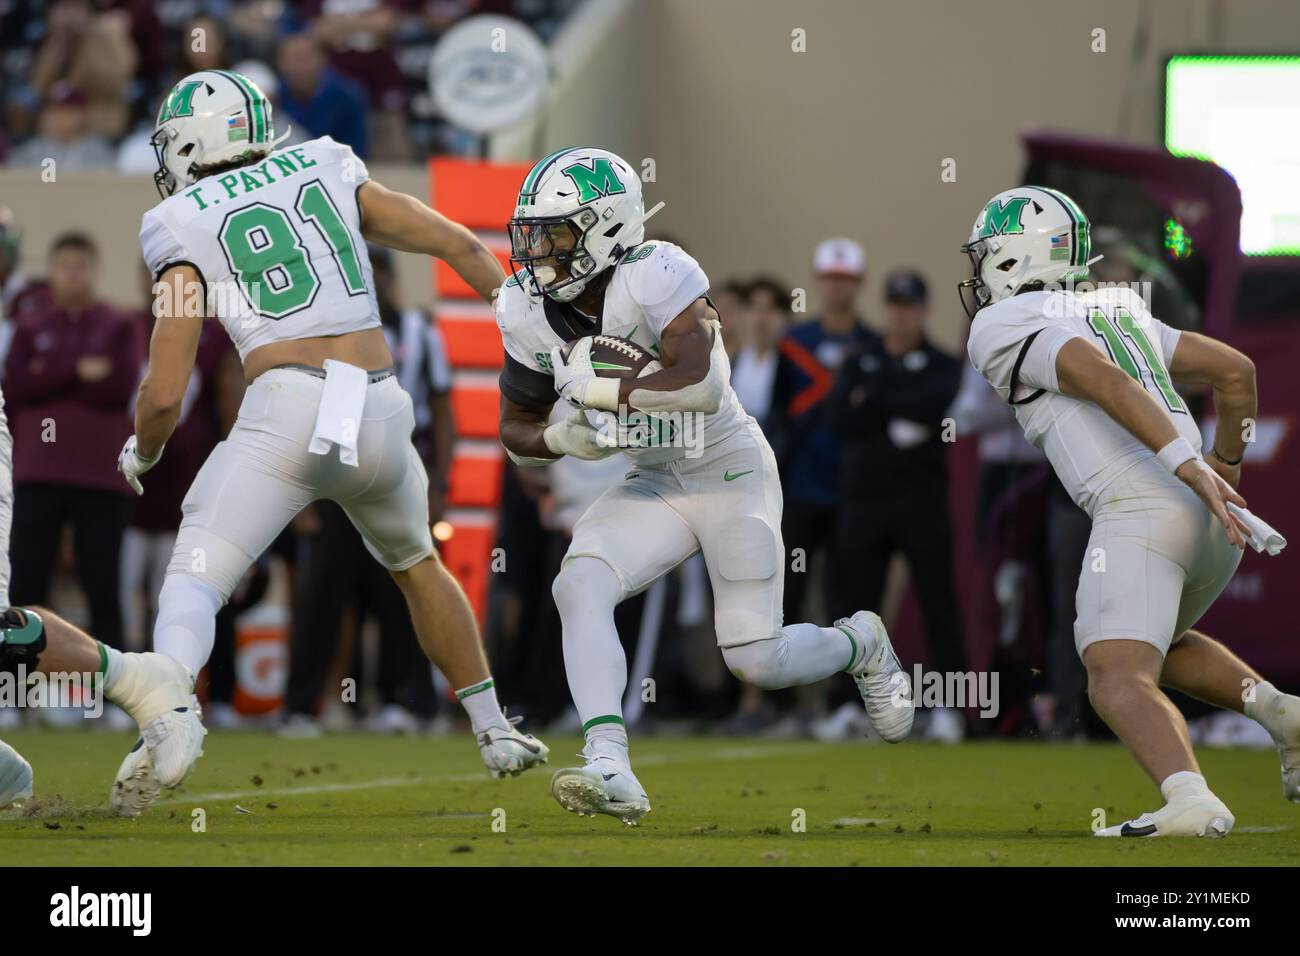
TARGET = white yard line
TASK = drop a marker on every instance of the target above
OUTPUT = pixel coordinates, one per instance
(381, 783)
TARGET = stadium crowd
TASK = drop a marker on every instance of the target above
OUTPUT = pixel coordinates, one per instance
(81, 80)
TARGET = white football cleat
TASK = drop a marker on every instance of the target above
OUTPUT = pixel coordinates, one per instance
(157, 691)
(604, 785)
(163, 756)
(135, 788)
(508, 752)
(1290, 757)
(885, 687)
(15, 776)
(1288, 747)
(1194, 815)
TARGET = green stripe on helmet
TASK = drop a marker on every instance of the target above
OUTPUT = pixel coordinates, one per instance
(258, 133)
(530, 181)
(1082, 231)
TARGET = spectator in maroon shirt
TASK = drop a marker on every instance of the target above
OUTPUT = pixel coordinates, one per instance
(69, 375)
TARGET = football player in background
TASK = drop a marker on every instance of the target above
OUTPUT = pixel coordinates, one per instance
(585, 269)
(1090, 376)
(274, 241)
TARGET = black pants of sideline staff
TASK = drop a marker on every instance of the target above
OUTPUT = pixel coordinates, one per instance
(868, 534)
(335, 571)
(98, 520)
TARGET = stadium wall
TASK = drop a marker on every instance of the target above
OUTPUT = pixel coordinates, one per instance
(694, 86)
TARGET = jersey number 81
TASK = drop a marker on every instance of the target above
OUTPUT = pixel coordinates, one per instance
(267, 254)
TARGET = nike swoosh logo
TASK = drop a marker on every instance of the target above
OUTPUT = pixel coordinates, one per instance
(728, 476)
(608, 776)
(606, 366)
(1128, 830)
(486, 740)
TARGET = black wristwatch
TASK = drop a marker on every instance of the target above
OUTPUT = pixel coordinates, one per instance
(1231, 464)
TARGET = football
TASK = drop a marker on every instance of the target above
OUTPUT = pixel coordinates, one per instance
(613, 357)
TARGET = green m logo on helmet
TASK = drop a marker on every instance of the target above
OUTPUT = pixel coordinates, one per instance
(595, 181)
(1004, 219)
(179, 102)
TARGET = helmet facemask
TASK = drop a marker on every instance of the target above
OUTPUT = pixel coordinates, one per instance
(974, 294)
(164, 178)
(552, 251)
(978, 291)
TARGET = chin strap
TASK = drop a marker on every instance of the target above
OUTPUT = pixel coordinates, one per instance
(645, 216)
(281, 138)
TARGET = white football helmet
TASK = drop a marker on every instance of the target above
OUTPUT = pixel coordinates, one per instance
(1022, 237)
(209, 118)
(578, 211)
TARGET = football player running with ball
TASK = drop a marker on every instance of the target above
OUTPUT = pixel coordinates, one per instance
(1090, 376)
(585, 270)
(280, 235)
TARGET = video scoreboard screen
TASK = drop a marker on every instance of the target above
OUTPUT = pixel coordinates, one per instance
(1243, 113)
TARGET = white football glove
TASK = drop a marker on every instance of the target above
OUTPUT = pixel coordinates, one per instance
(575, 436)
(132, 464)
(576, 380)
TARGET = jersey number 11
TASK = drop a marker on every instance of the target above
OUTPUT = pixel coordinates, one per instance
(1117, 335)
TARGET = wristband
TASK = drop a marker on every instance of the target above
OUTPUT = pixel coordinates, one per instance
(1173, 455)
(1231, 464)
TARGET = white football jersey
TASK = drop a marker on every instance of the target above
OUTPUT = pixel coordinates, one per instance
(652, 284)
(1021, 335)
(278, 244)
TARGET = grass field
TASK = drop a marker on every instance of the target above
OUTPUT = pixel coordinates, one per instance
(341, 800)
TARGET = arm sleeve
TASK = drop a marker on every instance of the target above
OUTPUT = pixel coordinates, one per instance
(1015, 342)
(665, 283)
(525, 386)
(525, 380)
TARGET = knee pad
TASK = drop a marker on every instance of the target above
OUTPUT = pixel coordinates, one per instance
(586, 583)
(22, 639)
(747, 601)
(759, 663)
(201, 555)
